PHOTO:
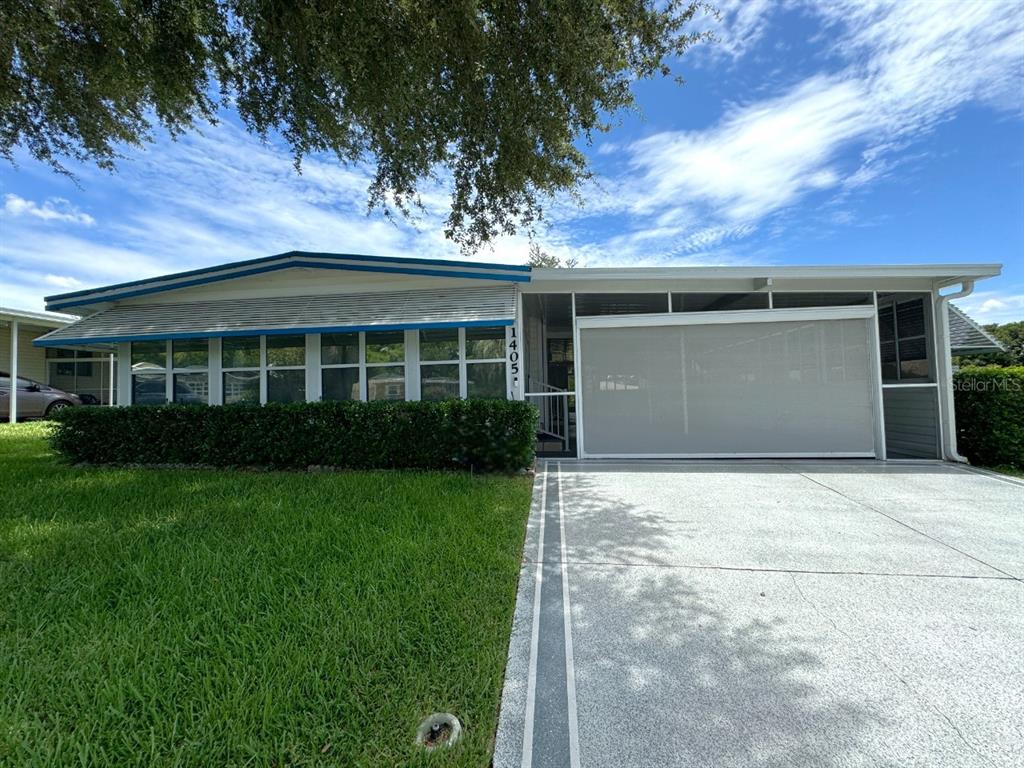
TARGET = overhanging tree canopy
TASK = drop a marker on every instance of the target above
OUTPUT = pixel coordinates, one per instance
(496, 92)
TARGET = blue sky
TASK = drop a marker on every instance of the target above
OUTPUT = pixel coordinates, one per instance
(879, 131)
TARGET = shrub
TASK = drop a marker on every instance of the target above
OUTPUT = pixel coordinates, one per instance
(484, 435)
(990, 415)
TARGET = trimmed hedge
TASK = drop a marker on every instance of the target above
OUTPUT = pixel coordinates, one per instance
(483, 435)
(990, 415)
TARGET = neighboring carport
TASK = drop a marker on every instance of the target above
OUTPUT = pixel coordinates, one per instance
(768, 613)
(18, 328)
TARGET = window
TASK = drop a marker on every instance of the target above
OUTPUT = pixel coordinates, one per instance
(340, 360)
(240, 358)
(904, 339)
(462, 362)
(718, 302)
(339, 349)
(286, 369)
(341, 383)
(149, 372)
(485, 380)
(149, 354)
(485, 362)
(485, 343)
(439, 379)
(190, 353)
(384, 379)
(190, 360)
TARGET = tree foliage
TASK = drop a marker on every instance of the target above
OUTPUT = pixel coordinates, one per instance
(495, 93)
(540, 258)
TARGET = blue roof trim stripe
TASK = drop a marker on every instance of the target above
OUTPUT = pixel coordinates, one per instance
(295, 254)
(290, 265)
(276, 332)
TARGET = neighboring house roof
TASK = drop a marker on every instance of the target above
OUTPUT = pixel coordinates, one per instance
(38, 319)
(966, 337)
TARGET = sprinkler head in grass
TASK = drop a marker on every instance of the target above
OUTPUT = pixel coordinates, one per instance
(439, 730)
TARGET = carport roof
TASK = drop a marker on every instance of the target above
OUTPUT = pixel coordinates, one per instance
(940, 274)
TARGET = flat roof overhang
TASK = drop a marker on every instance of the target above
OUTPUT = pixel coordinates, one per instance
(895, 277)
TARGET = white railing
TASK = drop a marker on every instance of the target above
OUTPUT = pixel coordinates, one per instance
(553, 404)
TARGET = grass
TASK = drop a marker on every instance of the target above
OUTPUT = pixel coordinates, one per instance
(176, 617)
(1007, 470)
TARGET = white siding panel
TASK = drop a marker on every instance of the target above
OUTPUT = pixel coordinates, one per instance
(398, 308)
(31, 360)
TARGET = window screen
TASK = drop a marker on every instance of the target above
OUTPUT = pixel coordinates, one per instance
(620, 303)
(796, 300)
(904, 338)
(718, 302)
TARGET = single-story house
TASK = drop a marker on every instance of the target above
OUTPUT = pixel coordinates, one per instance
(657, 362)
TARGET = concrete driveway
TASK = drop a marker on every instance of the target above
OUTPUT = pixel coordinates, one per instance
(768, 614)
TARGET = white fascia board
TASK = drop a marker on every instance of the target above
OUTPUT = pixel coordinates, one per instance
(43, 319)
(732, 317)
(934, 272)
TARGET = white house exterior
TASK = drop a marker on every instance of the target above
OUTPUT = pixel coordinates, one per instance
(838, 361)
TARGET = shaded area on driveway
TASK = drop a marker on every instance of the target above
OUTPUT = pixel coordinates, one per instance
(800, 613)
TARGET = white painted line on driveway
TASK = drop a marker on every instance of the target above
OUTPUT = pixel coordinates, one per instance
(570, 669)
(531, 679)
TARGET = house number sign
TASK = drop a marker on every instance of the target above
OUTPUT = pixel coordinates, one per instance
(513, 361)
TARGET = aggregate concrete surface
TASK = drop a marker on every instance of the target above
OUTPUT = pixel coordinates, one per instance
(749, 613)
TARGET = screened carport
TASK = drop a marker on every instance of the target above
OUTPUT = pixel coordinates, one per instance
(767, 383)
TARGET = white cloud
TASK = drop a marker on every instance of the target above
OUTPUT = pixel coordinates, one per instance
(911, 66)
(995, 306)
(741, 25)
(757, 159)
(52, 209)
(62, 281)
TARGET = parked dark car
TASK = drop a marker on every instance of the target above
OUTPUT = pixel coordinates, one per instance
(35, 400)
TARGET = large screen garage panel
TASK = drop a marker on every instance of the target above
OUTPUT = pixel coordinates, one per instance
(765, 388)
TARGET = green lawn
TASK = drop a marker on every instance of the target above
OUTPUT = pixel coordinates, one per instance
(176, 617)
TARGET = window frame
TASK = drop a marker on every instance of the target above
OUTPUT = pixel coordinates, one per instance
(174, 371)
(260, 368)
(364, 374)
(164, 370)
(360, 365)
(464, 362)
(459, 361)
(266, 368)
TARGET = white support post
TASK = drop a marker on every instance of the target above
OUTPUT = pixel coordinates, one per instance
(313, 381)
(879, 390)
(124, 373)
(578, 382)
(216, 373)
(412, 364)
(463, 372)
(110, 383)
(13, 414)
(169, 372)
(263, 370)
